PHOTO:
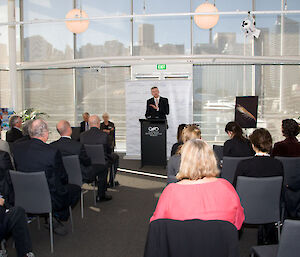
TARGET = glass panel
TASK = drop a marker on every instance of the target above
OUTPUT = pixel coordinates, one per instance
(293, 5)
(268, 5)
(47, 41)
(50, 91)
(101, 8)
(3, 33)
(228, 5)
(225, 38)
(279, 98)
(163, 36)
(103, 90)
(158, 6)
(5, 97)
(215, 89)
(105, 38)
(268, 43)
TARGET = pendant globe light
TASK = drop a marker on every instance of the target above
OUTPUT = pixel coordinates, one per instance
(206, 21)
(80, 25)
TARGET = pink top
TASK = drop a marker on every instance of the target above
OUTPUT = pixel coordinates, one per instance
(215, 200)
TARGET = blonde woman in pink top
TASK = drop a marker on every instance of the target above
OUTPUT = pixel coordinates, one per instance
(199, 194)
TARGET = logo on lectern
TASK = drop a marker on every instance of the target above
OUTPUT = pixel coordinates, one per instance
(153, 132)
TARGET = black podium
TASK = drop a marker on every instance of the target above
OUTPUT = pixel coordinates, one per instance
(153, 142)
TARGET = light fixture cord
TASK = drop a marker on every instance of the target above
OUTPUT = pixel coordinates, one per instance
(144, 7)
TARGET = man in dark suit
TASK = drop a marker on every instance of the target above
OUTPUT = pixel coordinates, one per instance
(84, 125)
(94, 136)
(68, 146)
(35, 155)
(15, 132)
(157, 107)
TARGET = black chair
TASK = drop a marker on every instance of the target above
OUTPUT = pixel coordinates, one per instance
(33, 195)
(72, 166)
(260, 198)
(229, 167)
(291, 167)
(289, 244)
(192, 238)
(218, 150)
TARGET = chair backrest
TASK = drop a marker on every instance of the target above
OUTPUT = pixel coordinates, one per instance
(218, 150)
(260, 198)
(73, 169)
(31, 191)
(289, 243)
(291, 166)
(191, 238)
(96, 153)
(229, 167)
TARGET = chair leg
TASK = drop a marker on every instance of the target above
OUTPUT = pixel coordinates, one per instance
(278, 230)
(81, 203)
(38, 223)
(94, 184)
(71, 218)
(51, 231)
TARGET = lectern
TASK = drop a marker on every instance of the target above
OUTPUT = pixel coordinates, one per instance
(153, 142)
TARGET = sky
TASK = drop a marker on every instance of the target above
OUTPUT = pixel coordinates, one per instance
(167, 30)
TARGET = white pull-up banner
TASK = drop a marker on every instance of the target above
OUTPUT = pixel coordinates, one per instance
(180, 96)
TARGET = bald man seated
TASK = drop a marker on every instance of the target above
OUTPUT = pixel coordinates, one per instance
(94, 136)
(68, 146)
(36, 155)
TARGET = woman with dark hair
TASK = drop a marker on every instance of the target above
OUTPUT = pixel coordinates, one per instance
(237, 145)
(290, 147)
(179, 139)
(261, 165)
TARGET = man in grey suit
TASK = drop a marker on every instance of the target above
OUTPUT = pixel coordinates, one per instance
(94, 136)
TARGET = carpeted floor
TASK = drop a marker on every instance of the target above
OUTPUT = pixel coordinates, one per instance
(120, 228)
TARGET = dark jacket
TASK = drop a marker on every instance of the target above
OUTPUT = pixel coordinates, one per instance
(112, 134)
(95, 136)
(259, 166)
(82, 126)
(22, 139)
(69, 147)
(290, 147)
(6, 188)
(13, 134)
(192, 238)
(35, 156)
(236, 147)
(163, 108)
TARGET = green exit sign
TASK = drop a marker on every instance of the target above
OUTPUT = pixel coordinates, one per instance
(161, 66)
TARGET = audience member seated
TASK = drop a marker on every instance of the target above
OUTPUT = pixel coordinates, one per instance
(261, 165)
(84, 125)
(109, 128)
(199, 194)
(6, 188)
(68, 146)
(13, 222)
(179, 139)
(34, 156)
(188, 133)
(237, 145)
(94, 136)
(15, 132)
(25, 132)
(290, 147)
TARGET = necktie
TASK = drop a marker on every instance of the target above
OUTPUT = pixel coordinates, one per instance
(156, 102)
(86, 126)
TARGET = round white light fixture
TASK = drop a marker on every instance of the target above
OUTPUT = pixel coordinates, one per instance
(206, 21)
(77, 26)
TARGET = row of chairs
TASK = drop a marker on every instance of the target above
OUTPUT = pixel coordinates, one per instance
(32, 191)
(291, 165)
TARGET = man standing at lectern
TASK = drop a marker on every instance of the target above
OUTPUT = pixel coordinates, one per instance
(157, 106)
